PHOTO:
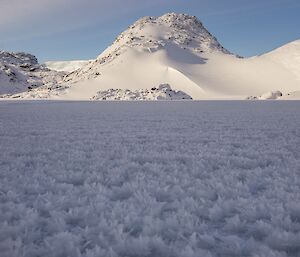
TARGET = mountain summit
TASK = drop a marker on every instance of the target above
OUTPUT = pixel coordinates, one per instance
(180, 29)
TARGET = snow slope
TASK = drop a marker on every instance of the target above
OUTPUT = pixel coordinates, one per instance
(67, 66)
(288, 56)
(176, 49)
(144, 179)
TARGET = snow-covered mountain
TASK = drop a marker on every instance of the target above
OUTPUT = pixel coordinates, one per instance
(176, 49)
(151, 52)
(21, 72)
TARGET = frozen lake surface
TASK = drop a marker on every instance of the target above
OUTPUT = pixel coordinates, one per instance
(149, 179)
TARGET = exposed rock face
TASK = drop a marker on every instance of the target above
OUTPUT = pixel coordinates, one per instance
(162, 92)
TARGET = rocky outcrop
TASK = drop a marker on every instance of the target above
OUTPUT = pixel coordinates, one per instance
(21, 72)
(162, 92)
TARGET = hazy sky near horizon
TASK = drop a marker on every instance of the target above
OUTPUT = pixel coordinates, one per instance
(81, 29)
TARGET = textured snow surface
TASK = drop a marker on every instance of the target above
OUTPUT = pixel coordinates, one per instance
(162, 92)
(141, 179)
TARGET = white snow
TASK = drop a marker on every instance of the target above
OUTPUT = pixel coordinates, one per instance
(292, 96)
(271, 95)
(149, 179)
(67, 66)
(288, 56)
(162, 92)
(276, 95)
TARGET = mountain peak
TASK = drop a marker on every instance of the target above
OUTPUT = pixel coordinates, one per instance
(154, 33)
(172, 19)
(181, 20)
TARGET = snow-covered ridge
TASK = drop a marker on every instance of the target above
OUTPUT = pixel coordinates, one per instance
(21, 72)
(162, 92)
(20, 59)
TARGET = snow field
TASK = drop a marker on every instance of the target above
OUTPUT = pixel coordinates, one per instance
(148, 179)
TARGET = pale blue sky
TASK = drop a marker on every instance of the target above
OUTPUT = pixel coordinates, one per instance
(81, 29)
